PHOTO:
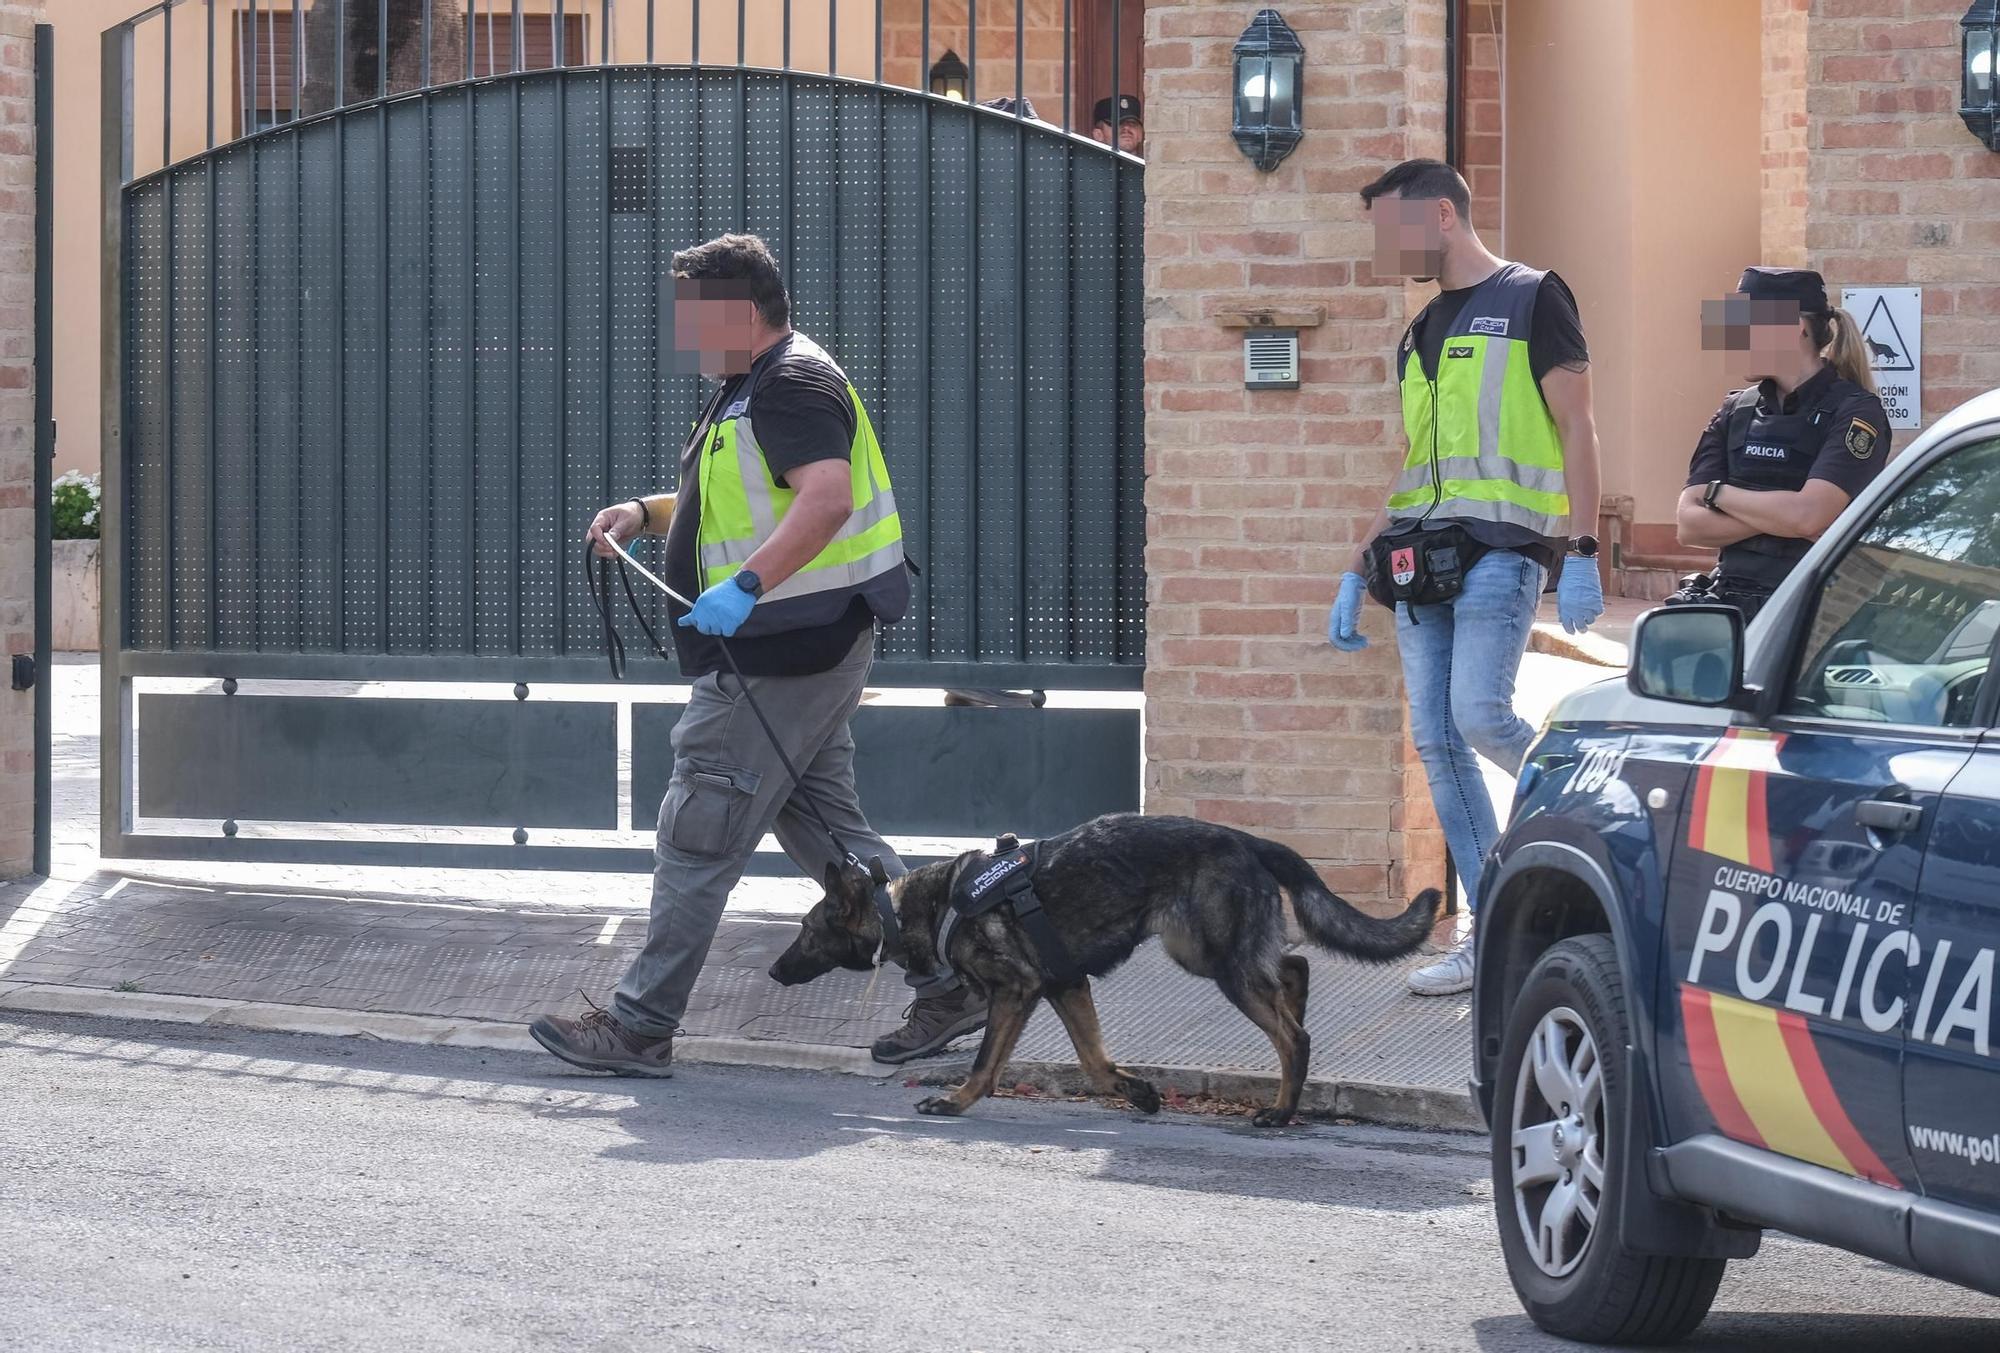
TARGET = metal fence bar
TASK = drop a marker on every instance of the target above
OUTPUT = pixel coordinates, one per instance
(514, 346)
(211, 75)
(340, 53)
(45, 448)
(559, 22)
(298, 60)
(114, 131)
(250, 103)
(517, 61)
(426, 39)
(652, 20)
(1069, 47)
(382, 80)
(167, 90)
(972, 69)
(468, 351)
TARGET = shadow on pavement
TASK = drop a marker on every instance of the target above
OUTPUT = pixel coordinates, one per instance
(1755, 1332)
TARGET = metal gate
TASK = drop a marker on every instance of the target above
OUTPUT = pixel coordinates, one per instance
(373, 368)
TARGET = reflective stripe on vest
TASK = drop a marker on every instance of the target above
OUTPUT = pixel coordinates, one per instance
(742, 503)
(1483, 445)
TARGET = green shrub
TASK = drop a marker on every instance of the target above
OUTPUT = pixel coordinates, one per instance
(75, 501)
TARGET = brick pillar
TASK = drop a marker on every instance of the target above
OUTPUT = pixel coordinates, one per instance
(1784, 137)
(1901, 194)
(17, 426)
(1254, 501)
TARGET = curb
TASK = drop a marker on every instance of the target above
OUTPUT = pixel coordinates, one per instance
(1592, 648)
(1403, 1105)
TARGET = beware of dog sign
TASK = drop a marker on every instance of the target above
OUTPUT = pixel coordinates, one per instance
(1892, 325)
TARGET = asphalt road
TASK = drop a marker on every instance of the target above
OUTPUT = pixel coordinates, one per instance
(170, 1187)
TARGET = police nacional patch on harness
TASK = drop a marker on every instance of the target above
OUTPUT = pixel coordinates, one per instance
(1860, 439)
(1490, 324)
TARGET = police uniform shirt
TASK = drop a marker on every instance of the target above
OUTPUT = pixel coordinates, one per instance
(1555, 339)
(802, 414)
(1848, 451)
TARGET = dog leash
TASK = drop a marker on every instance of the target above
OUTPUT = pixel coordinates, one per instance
(600, 592)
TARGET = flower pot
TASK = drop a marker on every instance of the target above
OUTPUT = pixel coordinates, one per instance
(75, 596)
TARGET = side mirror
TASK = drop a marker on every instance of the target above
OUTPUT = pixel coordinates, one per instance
(1690, 655)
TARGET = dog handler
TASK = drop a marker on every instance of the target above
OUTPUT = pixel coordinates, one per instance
(786, 527)
(1780, 460)
(1499, 483)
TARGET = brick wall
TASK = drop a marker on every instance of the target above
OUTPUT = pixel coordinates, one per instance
(1255, 500)
(1900, 193)
(1483, 109)
(1784, 135)
(17, 441)
(905, 63)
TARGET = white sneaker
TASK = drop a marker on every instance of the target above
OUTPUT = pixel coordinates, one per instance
(1448, 976)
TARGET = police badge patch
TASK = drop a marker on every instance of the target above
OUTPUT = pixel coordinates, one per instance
(1860, 439)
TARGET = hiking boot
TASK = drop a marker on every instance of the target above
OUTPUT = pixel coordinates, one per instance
(1448, 976)
(933, 1021)
(598, 1042)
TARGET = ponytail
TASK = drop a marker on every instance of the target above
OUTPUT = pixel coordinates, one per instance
(1840, 342)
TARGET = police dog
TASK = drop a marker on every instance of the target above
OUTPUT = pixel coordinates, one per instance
(1219, 899)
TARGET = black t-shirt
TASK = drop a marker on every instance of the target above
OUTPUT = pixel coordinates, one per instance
(1555, 338)
(800, 409)
(1856, 445)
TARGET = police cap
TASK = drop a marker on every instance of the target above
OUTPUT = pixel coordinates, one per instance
(1128, 109)
(1803, 285)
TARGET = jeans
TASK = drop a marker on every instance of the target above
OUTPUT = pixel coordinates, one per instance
(728, 790)
(1460, 659)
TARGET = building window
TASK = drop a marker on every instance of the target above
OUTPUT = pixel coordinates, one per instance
(264, 70)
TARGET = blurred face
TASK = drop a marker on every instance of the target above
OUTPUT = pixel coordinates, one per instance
(1410, 237)
(1767, 334)
(1131, 135)
(715, 327)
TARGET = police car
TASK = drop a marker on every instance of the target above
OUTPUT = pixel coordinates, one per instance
(1737, 947)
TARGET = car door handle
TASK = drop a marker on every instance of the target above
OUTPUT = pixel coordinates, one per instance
(1888, 815)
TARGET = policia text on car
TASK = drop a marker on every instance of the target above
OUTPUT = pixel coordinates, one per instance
(1780, 459)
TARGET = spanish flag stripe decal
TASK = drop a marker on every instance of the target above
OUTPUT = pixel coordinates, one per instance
(1820, 1093)
(1764, 1083)
(1710, 1075)
(1756, 822)
(1730, 817)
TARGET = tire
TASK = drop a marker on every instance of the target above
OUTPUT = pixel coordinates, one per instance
(1559, 1221)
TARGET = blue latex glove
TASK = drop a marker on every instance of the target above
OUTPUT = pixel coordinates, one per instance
(1579, 596)
(721, 610)
(1343, 627)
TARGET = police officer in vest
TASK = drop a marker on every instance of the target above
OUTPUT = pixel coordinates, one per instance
(1781, 459)
(1498, 486)
(785, 532)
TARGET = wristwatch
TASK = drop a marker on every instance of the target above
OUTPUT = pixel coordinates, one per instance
(1708, 497)
(750, 582)
(1584, 547)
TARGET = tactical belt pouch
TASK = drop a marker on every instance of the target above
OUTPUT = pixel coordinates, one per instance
(1421, 567)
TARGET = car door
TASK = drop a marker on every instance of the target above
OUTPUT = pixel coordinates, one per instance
(1951, 1079)
(1795, 958)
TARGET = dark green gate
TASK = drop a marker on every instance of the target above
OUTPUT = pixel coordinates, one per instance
(376, 367)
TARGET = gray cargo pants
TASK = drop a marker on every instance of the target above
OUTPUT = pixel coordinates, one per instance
(728, 791)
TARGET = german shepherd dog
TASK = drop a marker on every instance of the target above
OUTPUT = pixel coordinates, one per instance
(1217, 898)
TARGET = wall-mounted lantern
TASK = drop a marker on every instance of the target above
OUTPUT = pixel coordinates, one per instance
(1270, 100)
(949, 77)
(1979, 104)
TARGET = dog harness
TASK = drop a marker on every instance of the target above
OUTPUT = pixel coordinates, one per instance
(1006, 876)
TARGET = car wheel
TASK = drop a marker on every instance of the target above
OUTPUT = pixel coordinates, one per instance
(1556, 1176)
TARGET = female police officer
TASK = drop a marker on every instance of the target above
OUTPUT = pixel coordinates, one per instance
(1781, 459)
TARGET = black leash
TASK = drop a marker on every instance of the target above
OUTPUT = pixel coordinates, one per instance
(600, 592)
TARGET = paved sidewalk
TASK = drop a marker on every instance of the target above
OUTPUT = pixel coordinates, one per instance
(501, 947)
